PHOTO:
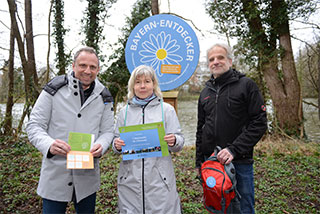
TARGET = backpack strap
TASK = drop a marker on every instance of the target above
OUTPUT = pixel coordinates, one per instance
(125, 116)
(216, 151)
(161, 101)
(106, 96)
(55, 84)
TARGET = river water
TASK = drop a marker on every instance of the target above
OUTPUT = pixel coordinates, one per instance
(187, 114)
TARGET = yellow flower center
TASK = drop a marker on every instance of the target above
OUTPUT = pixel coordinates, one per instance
(161, 54)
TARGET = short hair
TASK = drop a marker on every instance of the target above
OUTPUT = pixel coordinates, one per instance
(86, 49)
(226, 47)
(143, 70)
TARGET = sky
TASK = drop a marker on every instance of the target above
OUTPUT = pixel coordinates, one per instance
(189, 9)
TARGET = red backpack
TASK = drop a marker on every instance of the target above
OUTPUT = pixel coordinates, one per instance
(219, 186)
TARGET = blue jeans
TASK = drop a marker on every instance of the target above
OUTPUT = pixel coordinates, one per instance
(245, 187)
(86, 205)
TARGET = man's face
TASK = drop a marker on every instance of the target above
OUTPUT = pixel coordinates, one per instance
(86, 67)
(218, 61)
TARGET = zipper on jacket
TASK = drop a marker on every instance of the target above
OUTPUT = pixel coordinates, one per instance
(216, 113)
(143, 203)
(216, 90)
(142, 171)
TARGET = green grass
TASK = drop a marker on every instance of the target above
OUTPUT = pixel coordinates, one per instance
(287, 178)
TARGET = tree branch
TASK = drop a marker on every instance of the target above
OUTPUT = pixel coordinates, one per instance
(309, 45)
(187, 20)
(307, 23)
(311, 104)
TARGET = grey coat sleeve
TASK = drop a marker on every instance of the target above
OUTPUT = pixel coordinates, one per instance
(119, 123)
(106, 128)
(37, 126)
(172, 126)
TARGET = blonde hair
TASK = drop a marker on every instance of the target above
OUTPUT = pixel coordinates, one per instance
(143, 70)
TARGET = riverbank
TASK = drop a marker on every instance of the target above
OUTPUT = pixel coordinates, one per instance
(286, 178)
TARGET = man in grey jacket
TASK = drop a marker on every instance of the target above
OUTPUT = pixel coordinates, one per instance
(76, 102)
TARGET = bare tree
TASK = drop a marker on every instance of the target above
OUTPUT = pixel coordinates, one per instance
(7, 123)
(26, 52)
(318, 47)
(49, 43)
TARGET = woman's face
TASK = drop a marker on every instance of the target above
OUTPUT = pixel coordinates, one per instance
(143, 86)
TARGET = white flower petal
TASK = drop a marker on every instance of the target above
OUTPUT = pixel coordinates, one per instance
(170, 44)
(173, 49)
(147, 53)
(149, 46)
(154, 41)
(146, 59)
(175, 57)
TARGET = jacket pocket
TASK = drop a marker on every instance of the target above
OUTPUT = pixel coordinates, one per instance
(166, 173)
(123, 173)
(207, 134)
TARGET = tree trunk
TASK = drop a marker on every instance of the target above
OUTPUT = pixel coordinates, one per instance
(12, 9)
(93, 25)
(285, 93)
(318, 80)
(47, 76)
(28, 65)
(7, 123)
(59, 35)
(294, 113)
(154, 7)
(34, 82)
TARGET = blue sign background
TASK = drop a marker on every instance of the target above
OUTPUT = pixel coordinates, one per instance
(164, 39)
(140, 140)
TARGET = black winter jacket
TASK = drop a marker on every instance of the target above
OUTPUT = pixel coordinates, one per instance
(231, 113)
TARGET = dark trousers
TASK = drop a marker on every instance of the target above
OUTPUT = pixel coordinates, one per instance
(245, 187)
(86, 205)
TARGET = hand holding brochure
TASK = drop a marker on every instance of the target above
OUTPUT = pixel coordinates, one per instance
(143, 141)
(80, 157)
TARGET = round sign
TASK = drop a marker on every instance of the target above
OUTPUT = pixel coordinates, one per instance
(166, 43)
(211, 182)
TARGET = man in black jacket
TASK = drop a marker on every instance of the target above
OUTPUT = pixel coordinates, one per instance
(231, 114)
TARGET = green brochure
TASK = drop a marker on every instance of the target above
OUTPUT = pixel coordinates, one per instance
(80, 141)
(143, 141)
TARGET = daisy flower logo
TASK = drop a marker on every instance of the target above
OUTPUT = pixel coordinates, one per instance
(160, 49)
(166, 43)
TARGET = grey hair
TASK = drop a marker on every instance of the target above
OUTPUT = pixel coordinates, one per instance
(226, 47)
(143, 70)
(85, 49)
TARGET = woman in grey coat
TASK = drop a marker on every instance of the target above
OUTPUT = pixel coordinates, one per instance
(148, 185)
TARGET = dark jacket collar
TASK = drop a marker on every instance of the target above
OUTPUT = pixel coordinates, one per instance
(230, 76)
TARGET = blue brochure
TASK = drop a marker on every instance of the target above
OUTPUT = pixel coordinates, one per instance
(143, 141)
